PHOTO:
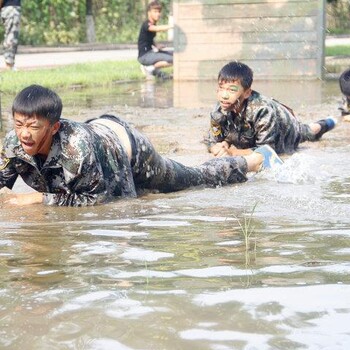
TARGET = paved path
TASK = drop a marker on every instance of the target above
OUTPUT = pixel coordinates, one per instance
(51, 59)
(30, 58)
(334, 41)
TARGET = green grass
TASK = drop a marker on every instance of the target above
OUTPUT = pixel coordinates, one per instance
(339, 50)
(92, 74)
(85, 75)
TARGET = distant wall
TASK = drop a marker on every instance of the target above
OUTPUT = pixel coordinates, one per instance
(277, 38)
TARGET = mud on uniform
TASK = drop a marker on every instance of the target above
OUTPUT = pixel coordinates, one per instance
(262, 121)
(11, 17)
(87, 164)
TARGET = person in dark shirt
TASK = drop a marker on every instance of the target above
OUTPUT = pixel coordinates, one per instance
(344, 83)
(10, 17)
(151, 55)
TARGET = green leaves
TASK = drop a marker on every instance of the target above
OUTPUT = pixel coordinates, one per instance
(54, 22)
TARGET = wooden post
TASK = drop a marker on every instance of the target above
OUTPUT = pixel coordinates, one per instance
(279, 39)
(90, 25)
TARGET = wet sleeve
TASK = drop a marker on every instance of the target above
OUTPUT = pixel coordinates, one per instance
(215, 133)
(266, 127)
(8, 173)
(74, 199)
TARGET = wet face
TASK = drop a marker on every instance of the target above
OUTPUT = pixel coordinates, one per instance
(35, 134)
(154, 15)
(231, 95)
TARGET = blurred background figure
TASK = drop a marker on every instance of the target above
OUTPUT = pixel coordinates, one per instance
(10, 17)
(152, 56)
(344, 83)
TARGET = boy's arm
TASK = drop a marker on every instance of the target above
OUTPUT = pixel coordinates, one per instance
(266, 127)
(23, 198)
(88, 187)
(8, 173)
(234, 151)
(62, 199)
(215, 140)
(158, 28)
(8, 176)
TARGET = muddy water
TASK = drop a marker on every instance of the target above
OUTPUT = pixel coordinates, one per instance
(259, 265)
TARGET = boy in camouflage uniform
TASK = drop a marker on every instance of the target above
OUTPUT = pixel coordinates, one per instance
(243, 119)
(80, 164)
(344, 83)
(10, 16)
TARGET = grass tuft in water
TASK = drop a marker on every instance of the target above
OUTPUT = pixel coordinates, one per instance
(247, 229)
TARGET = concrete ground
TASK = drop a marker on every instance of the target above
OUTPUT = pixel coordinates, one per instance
(30, 58)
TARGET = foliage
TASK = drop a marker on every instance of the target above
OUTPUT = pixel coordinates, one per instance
(52, 22)
(338, 13)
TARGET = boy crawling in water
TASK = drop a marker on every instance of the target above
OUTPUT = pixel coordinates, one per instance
(243, 119)
(69, 163)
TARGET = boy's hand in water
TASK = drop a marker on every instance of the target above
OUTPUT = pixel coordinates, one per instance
(22, 198)
(220, 149)
(223, 149)
(234, 151)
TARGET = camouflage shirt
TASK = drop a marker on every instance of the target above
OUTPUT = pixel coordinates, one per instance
(86, 165)
(262, 121)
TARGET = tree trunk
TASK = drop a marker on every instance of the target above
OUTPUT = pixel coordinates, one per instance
(90, 24)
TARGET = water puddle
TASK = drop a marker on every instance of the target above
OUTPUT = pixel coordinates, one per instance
(259, 265)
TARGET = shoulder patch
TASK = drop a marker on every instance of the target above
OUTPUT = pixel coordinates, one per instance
(216, 130)
(4, 162)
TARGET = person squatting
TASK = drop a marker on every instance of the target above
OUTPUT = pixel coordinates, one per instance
(151, 55)
(71, 163)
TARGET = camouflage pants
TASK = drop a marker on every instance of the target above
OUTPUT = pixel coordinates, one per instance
(306, 134)
(151, 171)
(11, 16)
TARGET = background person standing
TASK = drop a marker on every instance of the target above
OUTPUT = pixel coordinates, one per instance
(10, 17)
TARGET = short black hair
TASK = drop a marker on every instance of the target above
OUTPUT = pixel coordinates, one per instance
(36, 100)
(236, 71)
(344, 82)
(154, 5)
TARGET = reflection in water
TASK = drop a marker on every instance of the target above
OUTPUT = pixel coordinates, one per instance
(183, 94)
(128, 274)
(176, 271)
